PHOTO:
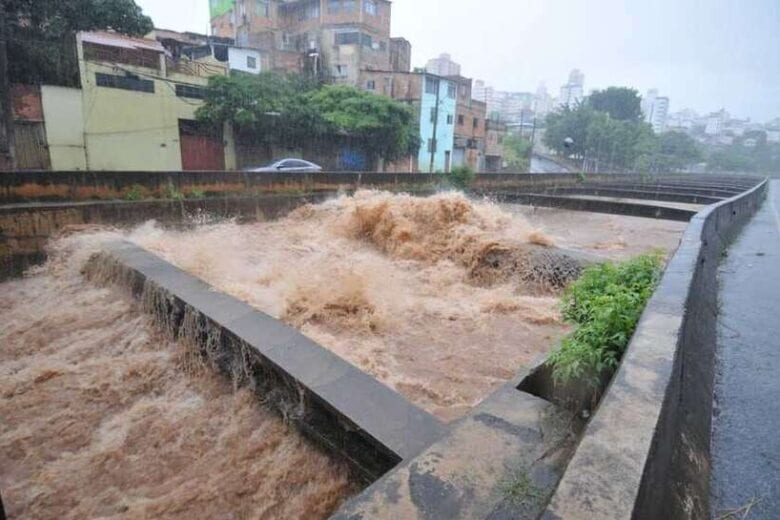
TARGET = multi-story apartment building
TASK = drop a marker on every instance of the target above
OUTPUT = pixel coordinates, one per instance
(470, 127)
(134, 109)
(494, 145)
(400, 55)
(434, 99)
(332, 38)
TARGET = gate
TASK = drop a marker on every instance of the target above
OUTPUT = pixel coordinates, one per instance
(202, 148)
(32, 152)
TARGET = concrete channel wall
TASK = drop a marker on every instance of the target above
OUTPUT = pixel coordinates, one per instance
(645, 453)
(46, 186)
(36, 205)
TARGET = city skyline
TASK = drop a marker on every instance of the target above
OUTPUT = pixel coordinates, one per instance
(670, 46)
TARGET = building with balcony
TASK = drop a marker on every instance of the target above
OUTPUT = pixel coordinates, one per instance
(134, 110)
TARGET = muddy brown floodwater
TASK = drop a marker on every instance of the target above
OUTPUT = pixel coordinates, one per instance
(98, 419)
(612, 236)
(388, 282)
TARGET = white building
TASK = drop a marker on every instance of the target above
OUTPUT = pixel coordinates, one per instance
(574, 91)
(656, 110)
(716, 123)
(245, 60)
(443, 66)
(543, 102)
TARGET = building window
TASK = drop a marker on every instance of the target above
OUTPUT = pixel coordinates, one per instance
(341, 71)
(188, 91)
(308, 11)
(366, 40)
(451, 91)
(450, 119)
(129, 82)
(460, 120)
(263, 8)
(371, 84)
(371, 7)
(431, 145)
(341, 6)
(251, 62)
(431, 86)
(347, 38)
(476, 123)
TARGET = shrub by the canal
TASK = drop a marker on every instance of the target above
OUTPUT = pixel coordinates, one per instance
(605, 304)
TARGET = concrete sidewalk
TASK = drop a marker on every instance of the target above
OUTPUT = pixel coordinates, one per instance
(746, 417)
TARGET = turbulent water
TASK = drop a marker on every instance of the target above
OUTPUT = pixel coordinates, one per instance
(403, 287)
(99, 419)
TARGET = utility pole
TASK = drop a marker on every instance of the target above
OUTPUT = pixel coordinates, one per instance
(7, 155)
(435, 143)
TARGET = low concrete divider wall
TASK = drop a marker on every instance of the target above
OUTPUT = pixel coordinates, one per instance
(340, 407)
(29, 186)
(645, 453)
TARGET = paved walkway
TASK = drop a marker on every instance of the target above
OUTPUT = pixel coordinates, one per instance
(746, 423)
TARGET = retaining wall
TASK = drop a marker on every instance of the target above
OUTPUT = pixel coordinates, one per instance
(645, 453)
(46, 186)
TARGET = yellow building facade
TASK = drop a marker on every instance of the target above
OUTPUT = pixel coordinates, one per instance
(135, 111)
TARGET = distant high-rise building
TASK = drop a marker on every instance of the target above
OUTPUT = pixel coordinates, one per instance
(543, 102)
(656, 110)
(574, 91)
(443, 66)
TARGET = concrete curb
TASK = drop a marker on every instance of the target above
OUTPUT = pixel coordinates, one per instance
(645, 453)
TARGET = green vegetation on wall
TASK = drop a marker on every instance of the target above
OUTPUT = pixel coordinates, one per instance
(605, 304)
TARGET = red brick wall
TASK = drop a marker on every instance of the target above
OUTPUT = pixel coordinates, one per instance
(26, 104)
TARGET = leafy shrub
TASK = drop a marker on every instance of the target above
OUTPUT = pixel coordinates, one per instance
(136, 192)
(605, 303)
(172, 192)
(461, 177)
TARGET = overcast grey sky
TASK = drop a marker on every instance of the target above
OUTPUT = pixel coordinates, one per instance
(704, 54)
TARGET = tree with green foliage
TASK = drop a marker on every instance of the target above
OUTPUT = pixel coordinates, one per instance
(621, 103)
(516, 153)
(604, 143)
(264, 108)
(383, 127)
(41, 33)
(291, 110)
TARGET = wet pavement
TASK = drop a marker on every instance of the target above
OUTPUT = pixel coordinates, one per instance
(746, 422)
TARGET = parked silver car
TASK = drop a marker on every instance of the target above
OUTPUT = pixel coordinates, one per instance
(289, 165)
